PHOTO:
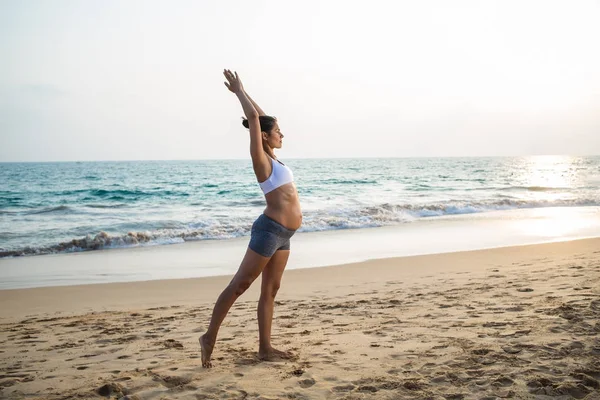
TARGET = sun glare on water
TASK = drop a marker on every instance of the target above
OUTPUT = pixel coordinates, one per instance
(549, 172)
(551, 178)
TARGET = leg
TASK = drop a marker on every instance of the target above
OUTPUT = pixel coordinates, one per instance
(271, 280)
(252, 265)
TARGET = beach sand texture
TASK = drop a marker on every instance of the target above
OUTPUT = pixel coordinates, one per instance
(520, 322)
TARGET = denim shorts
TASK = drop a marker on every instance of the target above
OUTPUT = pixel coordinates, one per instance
(268, 236)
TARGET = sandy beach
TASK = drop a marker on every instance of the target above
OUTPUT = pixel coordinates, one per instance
(514, 322)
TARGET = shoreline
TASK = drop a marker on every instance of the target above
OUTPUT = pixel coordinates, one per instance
(309, 249)
(88, 297)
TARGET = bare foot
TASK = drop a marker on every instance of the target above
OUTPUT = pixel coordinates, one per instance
(206, 347)
(272, 354)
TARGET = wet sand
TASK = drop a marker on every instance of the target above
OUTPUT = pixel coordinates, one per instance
(515, 322)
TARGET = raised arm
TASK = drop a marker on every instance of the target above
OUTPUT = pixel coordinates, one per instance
(256, 107)
(262, 166)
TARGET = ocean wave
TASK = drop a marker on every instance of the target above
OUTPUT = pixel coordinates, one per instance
(47, 210)
(389, 214)
(104, 240)
(8, 235)
(11, 201)
(121, 193)
(100, 241)
(334, 181)
(39, 210)
(8, 212)
(383, 214)
(463, 207)
(118, 205)
(103, 193)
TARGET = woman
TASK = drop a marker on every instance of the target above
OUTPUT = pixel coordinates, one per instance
(269, 246)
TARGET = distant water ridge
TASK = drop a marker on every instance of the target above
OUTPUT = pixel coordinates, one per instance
(76, 206)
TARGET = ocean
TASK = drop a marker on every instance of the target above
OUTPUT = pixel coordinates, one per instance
(65, 207)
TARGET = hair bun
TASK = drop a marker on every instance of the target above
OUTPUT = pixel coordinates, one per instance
(266, 123)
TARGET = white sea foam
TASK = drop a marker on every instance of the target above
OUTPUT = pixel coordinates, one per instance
(317, 220)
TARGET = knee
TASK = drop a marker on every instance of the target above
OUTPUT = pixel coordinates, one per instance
(241, 285)
(271, 290)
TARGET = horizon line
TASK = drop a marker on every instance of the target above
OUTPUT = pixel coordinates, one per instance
(301, 158)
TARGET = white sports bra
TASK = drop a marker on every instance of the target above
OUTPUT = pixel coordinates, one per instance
(280, 175)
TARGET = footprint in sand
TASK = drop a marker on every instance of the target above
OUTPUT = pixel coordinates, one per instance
(512, 350)
(171, 344)
(306, 383)
(173, 381)
(525, 290)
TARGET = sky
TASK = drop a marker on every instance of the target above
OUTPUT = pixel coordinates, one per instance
(142, 80)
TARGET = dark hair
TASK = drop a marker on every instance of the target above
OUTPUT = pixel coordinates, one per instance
(266, 123)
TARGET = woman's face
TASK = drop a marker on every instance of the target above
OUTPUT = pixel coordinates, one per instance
(275, 137)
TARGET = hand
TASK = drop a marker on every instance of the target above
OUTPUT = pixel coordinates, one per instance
(235, 84)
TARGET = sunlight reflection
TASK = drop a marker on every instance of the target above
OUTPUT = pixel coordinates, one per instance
(549, 172)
